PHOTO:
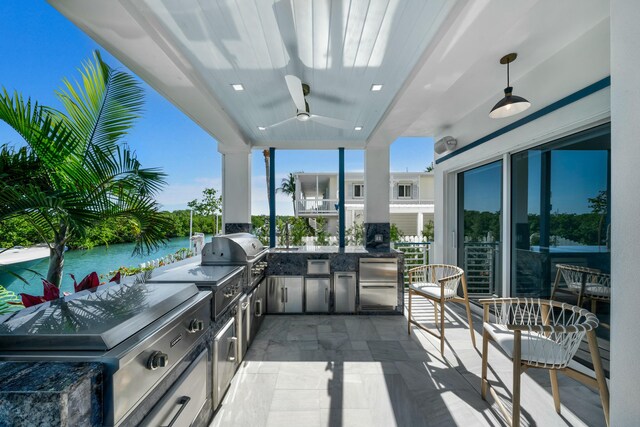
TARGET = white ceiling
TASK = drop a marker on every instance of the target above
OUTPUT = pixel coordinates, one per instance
(437, 59)
(339, 48)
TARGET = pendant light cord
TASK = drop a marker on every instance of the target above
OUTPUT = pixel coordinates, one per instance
(507, 74)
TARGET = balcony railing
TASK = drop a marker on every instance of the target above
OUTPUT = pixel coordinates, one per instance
(316, 206)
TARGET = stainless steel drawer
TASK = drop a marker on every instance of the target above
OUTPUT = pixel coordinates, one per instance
(378, 296)
(318, 266)
(378, 269)
(182, 404)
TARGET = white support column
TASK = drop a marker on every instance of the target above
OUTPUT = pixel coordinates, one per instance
(236, 188)
(625, 232)
(376, 185)
(376, 202)
(420, 223)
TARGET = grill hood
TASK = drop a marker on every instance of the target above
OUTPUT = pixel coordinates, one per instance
(234, 248)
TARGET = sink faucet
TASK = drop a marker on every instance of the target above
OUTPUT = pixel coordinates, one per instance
(287, 232)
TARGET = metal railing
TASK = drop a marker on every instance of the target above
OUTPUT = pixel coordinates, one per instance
(415, 254)
(317, 206)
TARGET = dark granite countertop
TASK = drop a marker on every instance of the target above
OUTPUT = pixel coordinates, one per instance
(357, 250)
(50, 393)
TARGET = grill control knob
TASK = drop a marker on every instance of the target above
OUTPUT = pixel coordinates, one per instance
(157, 360)
(196, 326)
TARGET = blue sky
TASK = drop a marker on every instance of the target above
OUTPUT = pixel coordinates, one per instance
(40, 47)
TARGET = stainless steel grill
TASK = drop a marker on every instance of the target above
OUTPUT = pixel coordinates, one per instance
(238, 249)
(138, 331)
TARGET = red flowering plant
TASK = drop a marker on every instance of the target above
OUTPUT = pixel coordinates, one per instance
(52, 292)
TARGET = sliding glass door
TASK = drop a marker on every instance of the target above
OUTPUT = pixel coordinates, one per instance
(479, 225)
(560, 210)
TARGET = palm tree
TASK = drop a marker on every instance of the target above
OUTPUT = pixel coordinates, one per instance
(74, 171)
(288, 186)
(267, 159)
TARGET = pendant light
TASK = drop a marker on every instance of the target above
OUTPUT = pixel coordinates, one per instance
(510, 104)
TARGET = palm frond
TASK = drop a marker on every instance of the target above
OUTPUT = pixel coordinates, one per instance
(103, 106)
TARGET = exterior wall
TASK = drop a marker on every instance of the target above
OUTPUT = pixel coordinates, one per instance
(625, 176)
(427, 187)
(407, 223)
(591, 52)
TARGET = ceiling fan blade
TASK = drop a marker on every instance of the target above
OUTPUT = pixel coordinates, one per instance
(281, 123)
(295, 89)
(330, 121)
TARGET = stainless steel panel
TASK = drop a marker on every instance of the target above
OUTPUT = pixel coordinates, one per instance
(378, 296)
(92, 320)
(293, 294)
(378, 269)
(258, 307)
(243, 322)
(212, 275)
(180, 406)
(275, 294)
(344, 285)
(225, 360)
(317, 293)
(318, 266)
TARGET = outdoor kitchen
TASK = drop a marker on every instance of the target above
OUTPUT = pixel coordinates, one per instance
(178, 333)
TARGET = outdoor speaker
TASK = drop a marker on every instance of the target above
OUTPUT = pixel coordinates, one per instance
(446, 143)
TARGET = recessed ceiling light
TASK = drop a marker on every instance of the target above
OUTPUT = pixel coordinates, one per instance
(237, 87)
(262, 128)
(376, 88)
(358, 128)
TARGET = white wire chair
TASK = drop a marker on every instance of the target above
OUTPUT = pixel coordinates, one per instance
(438, 283)
(540, 334)
(587, 283)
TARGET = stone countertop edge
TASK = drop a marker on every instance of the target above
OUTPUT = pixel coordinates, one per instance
(51, 393)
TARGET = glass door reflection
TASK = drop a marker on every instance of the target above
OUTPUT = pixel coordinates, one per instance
(479, 222)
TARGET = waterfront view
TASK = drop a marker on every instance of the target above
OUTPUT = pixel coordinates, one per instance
(101, 259)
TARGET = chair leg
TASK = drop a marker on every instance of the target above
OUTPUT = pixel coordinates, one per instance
(409, 315)
(594, 305)
(597, 367)
(553, 375)
(466, 302)
(485, 362)
(517, 371)
(442, 326)
(556, 284)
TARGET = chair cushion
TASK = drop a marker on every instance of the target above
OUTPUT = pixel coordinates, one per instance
(535, 347)
(432, 290)
(594, 289)
(597, 290)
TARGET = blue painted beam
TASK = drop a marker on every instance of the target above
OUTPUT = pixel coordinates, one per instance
(576, 96)
(272, 197)
(341, 195)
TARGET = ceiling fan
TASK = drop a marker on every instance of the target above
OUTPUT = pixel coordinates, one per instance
(298, 92)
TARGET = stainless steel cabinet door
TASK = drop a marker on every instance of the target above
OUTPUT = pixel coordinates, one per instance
(275, 294)
(344, 285)
(317, 295)
(225, 359)
(293, 292)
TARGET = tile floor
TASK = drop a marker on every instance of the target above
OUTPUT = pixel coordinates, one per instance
(347, 371)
